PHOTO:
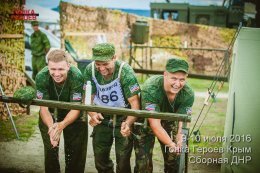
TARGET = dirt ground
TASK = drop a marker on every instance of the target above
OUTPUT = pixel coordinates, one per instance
(22, 157)
(27, 157)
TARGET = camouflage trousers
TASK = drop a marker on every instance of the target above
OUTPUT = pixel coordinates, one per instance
(75, 147)
(103, 137)
(38, 63)
(144, 151)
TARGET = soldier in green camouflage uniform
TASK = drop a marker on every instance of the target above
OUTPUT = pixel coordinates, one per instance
(113, 84)
(62, 82)
(40, 46)
(163, 93)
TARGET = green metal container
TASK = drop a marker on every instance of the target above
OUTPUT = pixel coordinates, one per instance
(140, 32)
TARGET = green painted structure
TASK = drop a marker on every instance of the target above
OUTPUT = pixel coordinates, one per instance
(140, 32)
(159, 9)
(228, 15)
(242, 128)
(211, 15)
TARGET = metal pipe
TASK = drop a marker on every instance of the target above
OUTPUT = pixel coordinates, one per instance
(198, 76)
(102, 109)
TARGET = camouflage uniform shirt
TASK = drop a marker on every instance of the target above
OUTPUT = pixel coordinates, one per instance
(71, 91)
(154, 99)
(128, 80)
(39, 42)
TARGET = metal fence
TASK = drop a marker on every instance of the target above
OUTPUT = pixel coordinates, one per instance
(203, 64)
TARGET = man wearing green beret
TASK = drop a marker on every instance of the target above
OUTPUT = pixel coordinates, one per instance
(40, 46)
(114, 84)
(164, 93)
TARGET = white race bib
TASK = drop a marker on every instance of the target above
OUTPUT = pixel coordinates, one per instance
(110, 94)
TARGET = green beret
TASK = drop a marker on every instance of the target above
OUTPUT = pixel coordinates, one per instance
(174, 65)
(26, 94)
(35, 23)
(103, 52)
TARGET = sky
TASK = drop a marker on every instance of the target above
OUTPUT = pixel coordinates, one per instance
(126, 4)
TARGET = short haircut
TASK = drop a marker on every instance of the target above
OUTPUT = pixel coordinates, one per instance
(58, 55)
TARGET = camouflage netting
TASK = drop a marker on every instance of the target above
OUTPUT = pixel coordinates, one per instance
(170, 33)
(11, 56)
(26, 94)
(95, 24)
(116, 26)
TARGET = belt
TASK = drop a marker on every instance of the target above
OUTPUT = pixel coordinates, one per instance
(143, 123)
(109, 123)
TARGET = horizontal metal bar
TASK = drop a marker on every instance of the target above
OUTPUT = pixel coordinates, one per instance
(102, 109)
(188, 48)
(197, 76)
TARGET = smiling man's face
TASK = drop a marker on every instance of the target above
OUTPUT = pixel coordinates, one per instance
(58, 70)
(174, 82)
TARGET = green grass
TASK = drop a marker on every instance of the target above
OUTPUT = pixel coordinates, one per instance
(213, 125)
(141, 78)
(202, 85)
(25, 126)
